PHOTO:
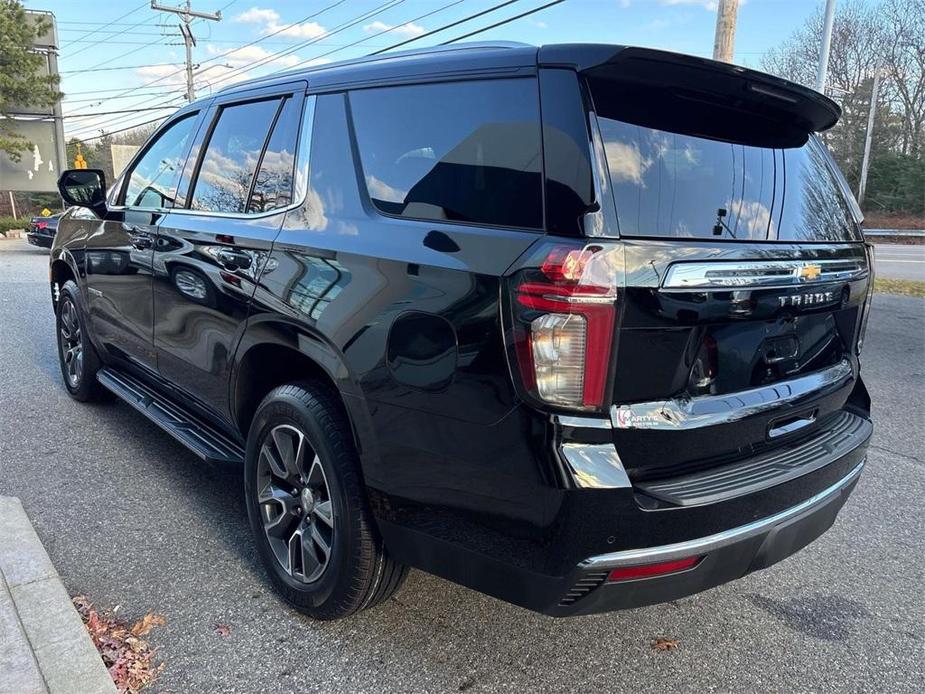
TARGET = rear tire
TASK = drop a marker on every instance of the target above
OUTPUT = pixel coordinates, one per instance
(77, 357)
(307, 506)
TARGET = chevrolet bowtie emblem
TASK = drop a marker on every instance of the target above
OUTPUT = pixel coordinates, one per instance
(809, 272)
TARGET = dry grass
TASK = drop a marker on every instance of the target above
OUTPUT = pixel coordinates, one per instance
(906, 287)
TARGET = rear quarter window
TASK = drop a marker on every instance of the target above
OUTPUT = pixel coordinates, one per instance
(457, 152)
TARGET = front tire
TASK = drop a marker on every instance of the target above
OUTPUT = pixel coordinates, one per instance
(307, 507)
(76, 355)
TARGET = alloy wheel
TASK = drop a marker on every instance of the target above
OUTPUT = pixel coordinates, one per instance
(295, 503)
(71, 343)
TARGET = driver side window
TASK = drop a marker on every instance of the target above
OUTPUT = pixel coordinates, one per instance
(152, 184)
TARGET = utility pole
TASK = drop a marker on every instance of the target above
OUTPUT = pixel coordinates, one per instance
(865, 162)
(823, 70)
(724, 42)
(187, 14)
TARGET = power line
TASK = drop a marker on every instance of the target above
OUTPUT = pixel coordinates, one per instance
(107, 69)
(125, 110)
(104, 39)
(503, 22)
(446, 26)
(252, 43)
(116, 132)
(130, 12)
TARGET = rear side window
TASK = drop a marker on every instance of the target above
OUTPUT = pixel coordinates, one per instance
(458, 152)
(232, 155)
(273, 185)
(667, 184)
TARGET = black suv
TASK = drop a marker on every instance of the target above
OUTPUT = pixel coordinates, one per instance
(576, 326)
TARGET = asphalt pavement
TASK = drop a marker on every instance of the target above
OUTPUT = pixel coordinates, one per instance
(131, 519)
(900, 262)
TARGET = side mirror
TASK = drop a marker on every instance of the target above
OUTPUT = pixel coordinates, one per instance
(84, 188)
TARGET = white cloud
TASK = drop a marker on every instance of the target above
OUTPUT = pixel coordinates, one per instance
(246, 55)
(270, 24)
(540, 25)
(624, 3)
(410, 29)
(256, 15)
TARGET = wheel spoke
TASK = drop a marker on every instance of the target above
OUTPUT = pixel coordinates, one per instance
(272, 459)
(288, 443)
(312, 564)
(321, 541)
(279, 510)
(315, 476)
(324, 512)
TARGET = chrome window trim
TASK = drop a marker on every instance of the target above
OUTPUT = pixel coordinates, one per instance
(760, 274)
(710, 410)
(704, 545)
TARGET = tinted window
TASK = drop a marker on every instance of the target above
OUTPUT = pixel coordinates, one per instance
(231, 156)
(667, 184)
(273, 185)
(467, 151)
(153, 181)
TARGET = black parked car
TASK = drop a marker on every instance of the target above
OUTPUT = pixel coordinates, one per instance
(575, 326)
(42, 230)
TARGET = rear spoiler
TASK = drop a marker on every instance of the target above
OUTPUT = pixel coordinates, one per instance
(683, 93)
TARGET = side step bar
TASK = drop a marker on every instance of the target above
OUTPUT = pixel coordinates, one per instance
(201, 438)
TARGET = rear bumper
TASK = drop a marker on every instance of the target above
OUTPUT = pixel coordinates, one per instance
(726, 556)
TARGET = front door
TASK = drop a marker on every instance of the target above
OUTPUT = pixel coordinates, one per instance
(210, 249)
(119, 252)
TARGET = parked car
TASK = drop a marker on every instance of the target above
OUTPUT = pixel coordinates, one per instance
(577, 327)
(42, 230)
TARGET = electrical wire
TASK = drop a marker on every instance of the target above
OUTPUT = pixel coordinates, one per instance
(503, 22)
(90, 33)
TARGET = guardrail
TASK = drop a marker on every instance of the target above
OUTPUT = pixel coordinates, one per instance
(895, 232)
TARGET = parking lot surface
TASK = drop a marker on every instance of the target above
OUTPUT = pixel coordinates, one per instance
(131, 519)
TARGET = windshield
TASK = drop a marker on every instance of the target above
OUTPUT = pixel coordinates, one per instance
(667, 184)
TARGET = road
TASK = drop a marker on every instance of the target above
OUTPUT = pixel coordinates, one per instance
(898, 262)
(131, 519)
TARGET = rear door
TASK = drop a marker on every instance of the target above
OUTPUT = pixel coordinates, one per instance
(212, 246)
(746, 279)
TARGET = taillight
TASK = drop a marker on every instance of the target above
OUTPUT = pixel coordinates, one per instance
(865, 312)
(564, 314)
(41, 225)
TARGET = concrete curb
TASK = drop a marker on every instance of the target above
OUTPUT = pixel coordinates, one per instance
(44, 646)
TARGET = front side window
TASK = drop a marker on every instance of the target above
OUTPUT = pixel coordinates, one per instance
(152, 184)
(232, 155)
(459, 152)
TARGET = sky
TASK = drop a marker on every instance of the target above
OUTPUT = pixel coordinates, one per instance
(120, 55)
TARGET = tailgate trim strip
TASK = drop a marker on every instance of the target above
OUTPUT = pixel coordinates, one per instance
(762, 274)
(710, 410)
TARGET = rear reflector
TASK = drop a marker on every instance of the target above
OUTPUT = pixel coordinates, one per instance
(628, 573)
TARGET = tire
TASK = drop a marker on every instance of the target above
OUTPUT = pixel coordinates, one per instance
(291, 527)
(77, 357)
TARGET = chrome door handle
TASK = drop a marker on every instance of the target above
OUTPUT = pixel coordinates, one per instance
(234, 260)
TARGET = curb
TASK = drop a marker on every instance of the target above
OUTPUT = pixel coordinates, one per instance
(44, 646)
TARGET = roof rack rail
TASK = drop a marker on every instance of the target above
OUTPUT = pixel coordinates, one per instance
(411, 52)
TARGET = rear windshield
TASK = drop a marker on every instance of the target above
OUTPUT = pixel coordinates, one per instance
(667, 184)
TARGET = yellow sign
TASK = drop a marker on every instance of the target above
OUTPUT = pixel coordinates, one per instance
(45, 212)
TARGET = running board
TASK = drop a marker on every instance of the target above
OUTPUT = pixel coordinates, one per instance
(201, 438)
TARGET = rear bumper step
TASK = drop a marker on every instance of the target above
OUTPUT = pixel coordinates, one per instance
(847, 433)
(200, 437)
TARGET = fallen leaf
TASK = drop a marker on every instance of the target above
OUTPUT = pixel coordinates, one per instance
(144, 626)
(665, 644)
(127, 656)
(222, 629)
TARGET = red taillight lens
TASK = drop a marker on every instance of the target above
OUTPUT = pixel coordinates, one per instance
(41, 225)
(629, 573)
(565, 316)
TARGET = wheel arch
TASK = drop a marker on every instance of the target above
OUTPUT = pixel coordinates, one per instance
(272, 353)
(61, 269)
